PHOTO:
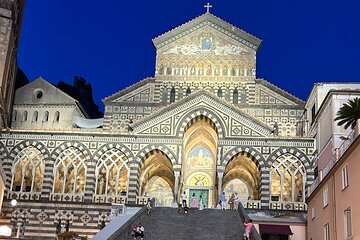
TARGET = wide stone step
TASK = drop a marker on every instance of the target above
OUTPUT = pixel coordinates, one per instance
(166, 223)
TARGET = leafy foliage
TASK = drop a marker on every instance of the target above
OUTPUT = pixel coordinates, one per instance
(21, 79)
(82, 91)
(349, 113)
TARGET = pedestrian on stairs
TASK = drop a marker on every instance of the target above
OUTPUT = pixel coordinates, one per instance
(148, 206)
(183, 198)
(248, 226)
(236, 201)
(223, 201)
(139, 231)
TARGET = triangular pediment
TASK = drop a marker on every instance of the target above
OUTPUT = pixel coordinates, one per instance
(50, 94)
(229, 120)
(203, 20)
(138, 92)
(268, 93)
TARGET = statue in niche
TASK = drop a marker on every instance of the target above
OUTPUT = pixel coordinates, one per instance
(101, 185)
(208, 71)
(161, 70)
(168, 71)
(225, 72)
(193, 71)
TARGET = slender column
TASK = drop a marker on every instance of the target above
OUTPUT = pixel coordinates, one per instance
(179, 154)
(176, 188)
(219, 156)
(220, 177)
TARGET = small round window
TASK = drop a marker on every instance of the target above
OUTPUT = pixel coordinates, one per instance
(38, 93)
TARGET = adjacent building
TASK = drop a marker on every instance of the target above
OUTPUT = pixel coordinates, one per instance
(332, 211)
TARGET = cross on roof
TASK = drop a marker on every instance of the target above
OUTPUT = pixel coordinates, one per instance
(208, 6)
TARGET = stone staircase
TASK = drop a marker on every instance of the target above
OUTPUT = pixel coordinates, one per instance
(166, 223)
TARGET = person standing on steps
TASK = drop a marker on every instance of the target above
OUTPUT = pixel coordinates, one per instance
(223, 201)
(183, 198)
(194, 203)
(139, 231)
(201, 203)
(148, 206)
(231, 201)
(248, 226)
(236, 201)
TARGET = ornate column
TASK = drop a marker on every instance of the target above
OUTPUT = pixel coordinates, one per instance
(48, 181)
(90, 181)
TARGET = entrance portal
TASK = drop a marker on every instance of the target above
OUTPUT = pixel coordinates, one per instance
(203, 192)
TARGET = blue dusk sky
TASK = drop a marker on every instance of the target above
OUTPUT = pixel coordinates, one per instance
(109, 43)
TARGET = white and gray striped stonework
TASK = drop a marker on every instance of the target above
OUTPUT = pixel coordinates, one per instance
(134, 178)
(193, 115)
(42, 217)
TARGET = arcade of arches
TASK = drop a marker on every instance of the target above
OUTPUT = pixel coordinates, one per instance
(202, 173)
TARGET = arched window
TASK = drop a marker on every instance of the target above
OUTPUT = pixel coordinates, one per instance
(235, 96)
(14, 115)
(25, 116)
(46, 116)
(219, 93)
(70, 172)
(287, 179)
(188, 91)
(57, 116)
(172, 95)
(35, 116)
(112, 173)
(28, 170)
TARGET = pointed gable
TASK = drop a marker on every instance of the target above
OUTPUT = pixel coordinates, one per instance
(229, 120)
(141, 91)
(268, 93)
(41, 91)
(215, 22)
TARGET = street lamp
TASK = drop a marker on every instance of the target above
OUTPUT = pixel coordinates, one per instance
(13, 202)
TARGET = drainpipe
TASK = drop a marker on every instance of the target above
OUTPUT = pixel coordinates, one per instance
(334, 205)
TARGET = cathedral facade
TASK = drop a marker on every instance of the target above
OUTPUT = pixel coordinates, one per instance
(203, 124)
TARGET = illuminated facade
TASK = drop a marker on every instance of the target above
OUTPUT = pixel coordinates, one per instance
(203, 124)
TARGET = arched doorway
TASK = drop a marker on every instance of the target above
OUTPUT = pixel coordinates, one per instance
(199, 161)
(157, 178)
(242, 176)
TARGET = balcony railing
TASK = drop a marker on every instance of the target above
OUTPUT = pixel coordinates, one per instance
(251, 204)
(294, 206)
(110, 199)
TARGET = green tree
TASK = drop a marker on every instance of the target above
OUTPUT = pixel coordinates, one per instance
(349, 113)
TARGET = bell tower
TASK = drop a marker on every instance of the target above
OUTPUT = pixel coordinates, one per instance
(11, 14)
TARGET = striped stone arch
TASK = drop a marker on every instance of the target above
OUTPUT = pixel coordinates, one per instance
(146, 151)
(127, 152)
(138, 161)
(9, 161)
(57, 151)
(259, 160)
(250, 152)
(296, 152)
(191, 117)
(90, 173)
(24, 144)
(300, 155)
(3, 152)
